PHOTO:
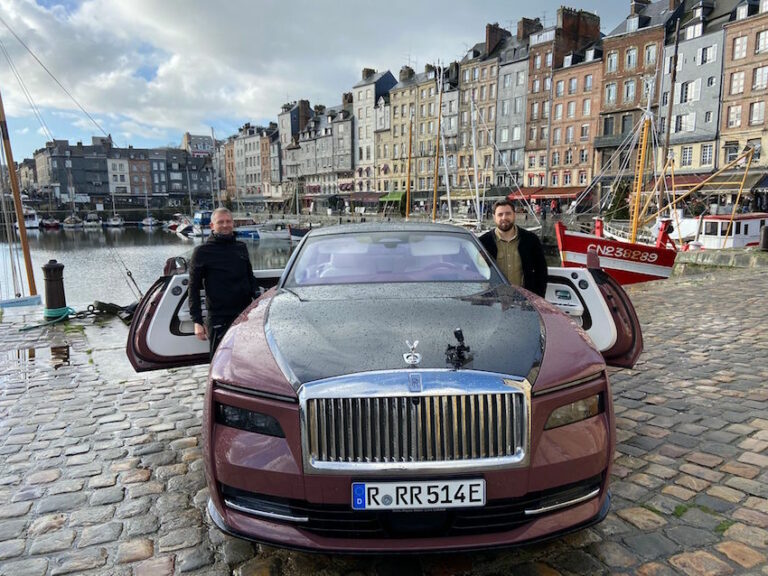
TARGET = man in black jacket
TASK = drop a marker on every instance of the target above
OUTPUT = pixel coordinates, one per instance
(517, 251)
(222, 268)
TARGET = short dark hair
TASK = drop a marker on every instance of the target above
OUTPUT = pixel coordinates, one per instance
(503, 202)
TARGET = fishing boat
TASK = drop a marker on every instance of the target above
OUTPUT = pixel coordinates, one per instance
(175, 221)
(201, 224)
(31, 221)
(92, 221)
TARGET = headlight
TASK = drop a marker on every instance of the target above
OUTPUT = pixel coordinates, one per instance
(243, 419)
(575, 412)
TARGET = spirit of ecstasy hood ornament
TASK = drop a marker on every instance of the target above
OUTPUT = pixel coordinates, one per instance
(412, 358)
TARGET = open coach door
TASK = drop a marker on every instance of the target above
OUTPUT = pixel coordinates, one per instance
(601, 307)
(162, 332)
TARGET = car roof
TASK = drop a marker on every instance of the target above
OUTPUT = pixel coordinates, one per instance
(367, 227)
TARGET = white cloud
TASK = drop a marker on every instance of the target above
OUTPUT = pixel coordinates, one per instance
(230, 60)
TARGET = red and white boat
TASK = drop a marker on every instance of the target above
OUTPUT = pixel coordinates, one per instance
(626, 262)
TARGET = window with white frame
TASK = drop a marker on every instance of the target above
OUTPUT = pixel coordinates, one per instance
(760, 78)
(610, 93)
(685, 122)
(518, 108)
(568, 157)
(559, 87)
(555, 158)
(629, 91)
(547, 83)
(737, 82)
(532, 133)
(588, 83)
(734, 116)
(763, 6)
(537, 61)
(520, 78)
(632, 23)
(693, 31)
(555, 179)
(558, 111)
(534, 110)
(586, 107)
(507, 80)
(505, 134)
(611, 62)
(571, 110)
(630, 58)
(566, 178)
(505, 107)
(706, 154)
(584, 135)
(739, 47)
(757, 113)
(569, 134)
(516, 132)
(686, 156)
(582, 177)
(532, 161)
(549, 59)
(584, 156)
(572, 85)
(761, 44)
(708, 54)
(536, 85)
(556, 133)
(742, 12)
(650, 54)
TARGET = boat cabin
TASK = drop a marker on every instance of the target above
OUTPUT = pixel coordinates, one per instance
(745, 230)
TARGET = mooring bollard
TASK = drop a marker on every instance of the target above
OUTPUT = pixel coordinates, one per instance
(764, 238)
(55, 300)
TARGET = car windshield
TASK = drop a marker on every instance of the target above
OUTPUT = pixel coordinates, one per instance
(386, 257)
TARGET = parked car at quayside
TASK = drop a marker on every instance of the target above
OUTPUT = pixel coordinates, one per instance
(394, 393)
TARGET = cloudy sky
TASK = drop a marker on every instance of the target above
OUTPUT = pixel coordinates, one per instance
(149, 70)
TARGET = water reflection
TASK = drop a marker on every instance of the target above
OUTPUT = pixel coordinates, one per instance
(96, 261)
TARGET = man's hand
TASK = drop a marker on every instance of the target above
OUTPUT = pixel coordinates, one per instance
(200, 332)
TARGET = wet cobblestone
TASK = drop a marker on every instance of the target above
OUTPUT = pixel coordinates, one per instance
(101, 471)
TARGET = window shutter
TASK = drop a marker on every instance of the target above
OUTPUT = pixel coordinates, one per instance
(692, 122)
(714, 52)
(696, 90)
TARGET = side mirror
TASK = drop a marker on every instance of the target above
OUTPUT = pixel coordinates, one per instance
(176, 265)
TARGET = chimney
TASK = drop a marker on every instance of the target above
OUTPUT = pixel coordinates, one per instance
(493, 35)
(368, 73)
(526, 27)
(319, 109)
(428, 68)
(346, 99)
(673, 4)
(637, 6)
(406, 73)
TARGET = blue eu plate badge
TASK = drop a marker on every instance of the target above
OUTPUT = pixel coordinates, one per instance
(358, 496)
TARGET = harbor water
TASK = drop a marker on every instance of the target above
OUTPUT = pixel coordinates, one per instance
(97, 262)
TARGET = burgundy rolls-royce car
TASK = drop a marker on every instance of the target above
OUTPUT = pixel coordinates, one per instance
(394, 393)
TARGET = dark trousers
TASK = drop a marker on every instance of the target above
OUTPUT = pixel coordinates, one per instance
(217, 327)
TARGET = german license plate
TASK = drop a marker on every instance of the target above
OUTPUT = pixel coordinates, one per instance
(418, 495)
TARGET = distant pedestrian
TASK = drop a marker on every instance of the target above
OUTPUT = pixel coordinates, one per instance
(220, 266)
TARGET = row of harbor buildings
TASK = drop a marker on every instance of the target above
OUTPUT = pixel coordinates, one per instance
(547, 107)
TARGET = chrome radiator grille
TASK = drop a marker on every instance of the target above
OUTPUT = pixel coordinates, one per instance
(416, 429)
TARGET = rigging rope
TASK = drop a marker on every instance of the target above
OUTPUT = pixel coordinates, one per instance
(44, 67)
(26, 92)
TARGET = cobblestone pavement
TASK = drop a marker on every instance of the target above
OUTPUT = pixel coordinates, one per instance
(101, 472)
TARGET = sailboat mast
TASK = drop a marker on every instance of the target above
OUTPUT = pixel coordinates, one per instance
(672, 80)
(640, 170)
(17, 201)
(473, 117)
(437, 139)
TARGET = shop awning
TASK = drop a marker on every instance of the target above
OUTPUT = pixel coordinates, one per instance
(392, 197)
(545, 193)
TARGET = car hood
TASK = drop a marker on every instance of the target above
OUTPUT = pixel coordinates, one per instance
(323, 332)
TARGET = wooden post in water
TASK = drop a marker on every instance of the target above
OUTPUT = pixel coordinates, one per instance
(17, 201)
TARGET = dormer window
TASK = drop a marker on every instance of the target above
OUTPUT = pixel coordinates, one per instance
(632, 23)
(742, 12)
(693, 31)
(763, 6)
(567, 61)
(590, 55)
(698, 12)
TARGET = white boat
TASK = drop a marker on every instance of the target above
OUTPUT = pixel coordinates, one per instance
(274, 230)
(717, 231)
(115, 221)
(72, 222)
(150, 222)
(92, 221)
(31, 221)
